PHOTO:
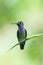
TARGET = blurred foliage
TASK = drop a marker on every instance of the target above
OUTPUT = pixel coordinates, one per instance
(35, 50)
(10, 9)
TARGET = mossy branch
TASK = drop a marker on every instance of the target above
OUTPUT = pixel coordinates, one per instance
(31, 37)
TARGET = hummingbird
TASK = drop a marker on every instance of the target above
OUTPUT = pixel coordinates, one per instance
(21, 34)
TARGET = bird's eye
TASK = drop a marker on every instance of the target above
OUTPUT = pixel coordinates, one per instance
(21, 23)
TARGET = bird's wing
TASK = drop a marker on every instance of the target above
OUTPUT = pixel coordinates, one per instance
(18, 34)
(25, 33)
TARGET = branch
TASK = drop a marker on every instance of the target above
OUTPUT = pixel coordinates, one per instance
(31, 37)
(34, 36)
(14, 46)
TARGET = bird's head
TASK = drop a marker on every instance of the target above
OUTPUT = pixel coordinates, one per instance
(19, 24)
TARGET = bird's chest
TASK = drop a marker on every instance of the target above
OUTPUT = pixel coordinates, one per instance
(21, 34)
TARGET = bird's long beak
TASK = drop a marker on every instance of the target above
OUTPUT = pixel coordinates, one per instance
(14, 23)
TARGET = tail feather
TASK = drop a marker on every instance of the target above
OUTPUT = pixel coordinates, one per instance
(22, 45)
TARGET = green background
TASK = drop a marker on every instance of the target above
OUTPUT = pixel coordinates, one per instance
(31, 13)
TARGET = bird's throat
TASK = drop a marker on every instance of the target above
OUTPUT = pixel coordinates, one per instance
(21, 28)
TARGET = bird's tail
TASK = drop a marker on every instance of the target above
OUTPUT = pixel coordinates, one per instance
(22, 45)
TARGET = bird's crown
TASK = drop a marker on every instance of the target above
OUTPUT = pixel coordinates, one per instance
(20, 23)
